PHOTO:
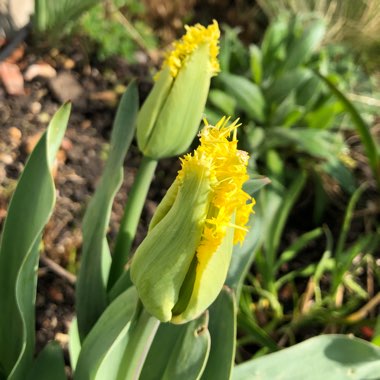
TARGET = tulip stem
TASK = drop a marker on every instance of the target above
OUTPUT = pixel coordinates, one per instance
(142, 331)
(131, 217)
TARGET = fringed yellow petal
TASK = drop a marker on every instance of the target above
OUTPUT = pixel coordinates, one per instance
(183, 48)
(228, 172)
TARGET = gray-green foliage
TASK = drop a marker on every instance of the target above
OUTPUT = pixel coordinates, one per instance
(29, 210)
(328, 357)
(284, 103)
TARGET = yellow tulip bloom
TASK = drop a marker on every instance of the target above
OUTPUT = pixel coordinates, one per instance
(180, 267)
(169, 119)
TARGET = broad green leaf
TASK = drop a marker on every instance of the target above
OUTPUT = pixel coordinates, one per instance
(300, 49)
(222, 101)
(273, 47)
(253, 185)
(178, 352)
(341, 173)
(327, 357)
(371, 147)
(308, 92)
(103, 348)
(91, 294)
(324, 116)
(48, 364)
(248, 95)
(74, 343)
(29, 210)
(315, 142)
(122, 284)
(280, 87)
(256, 64)
(222, 327)
(243, 255)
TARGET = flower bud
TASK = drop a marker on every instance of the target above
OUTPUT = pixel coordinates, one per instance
(180, 267)
(168, 120)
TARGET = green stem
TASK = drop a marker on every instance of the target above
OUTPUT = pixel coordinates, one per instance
(142, 331)
(131, 217)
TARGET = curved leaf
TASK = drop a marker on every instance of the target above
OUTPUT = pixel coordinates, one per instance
(28, 212)
(222, 327)
(91, 294)
(327, 357)
(178, 352)
(248, 95)
(103, 348)
(48, 363)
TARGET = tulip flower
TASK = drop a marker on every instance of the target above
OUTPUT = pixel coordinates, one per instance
(169, 119)
(181, 266)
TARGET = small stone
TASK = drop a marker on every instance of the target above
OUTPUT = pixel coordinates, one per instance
(35, 108)
(6, 158)
(43, 117)
(65, 87)
(62, 338)
(15, 135)
(43, 70)
(31, 142)
(66, 144)
(12, 78)
(85, 124)
(69, 64)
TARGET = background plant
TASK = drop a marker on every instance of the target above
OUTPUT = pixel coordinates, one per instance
(290, 93)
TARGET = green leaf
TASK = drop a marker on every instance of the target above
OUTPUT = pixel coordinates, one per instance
(256, 64)
(103, 348)
(248, 95)
(280, 88)
(324, 116)
(253, 185)
(51, 17)
(273, 46)
(178, 352)
(300, 50)
(243, 255)
(222, 101)
(28, 212)
(277, 224)
(328, 357)
(48, 364)
(222, 327)
(91, 294)
(370, 146)
(74, 343)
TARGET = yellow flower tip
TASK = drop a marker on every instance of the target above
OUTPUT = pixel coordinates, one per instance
(230, 205)
(195, 36)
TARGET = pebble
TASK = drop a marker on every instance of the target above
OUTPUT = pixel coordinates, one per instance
(35, 107)
(6, 158)
(15, 136)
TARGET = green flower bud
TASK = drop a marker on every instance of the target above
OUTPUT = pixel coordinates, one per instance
(168, 120)
(180, 267)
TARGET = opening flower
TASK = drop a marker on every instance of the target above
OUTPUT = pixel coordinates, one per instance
(195, 36)
(180, 267)
(169, 119)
